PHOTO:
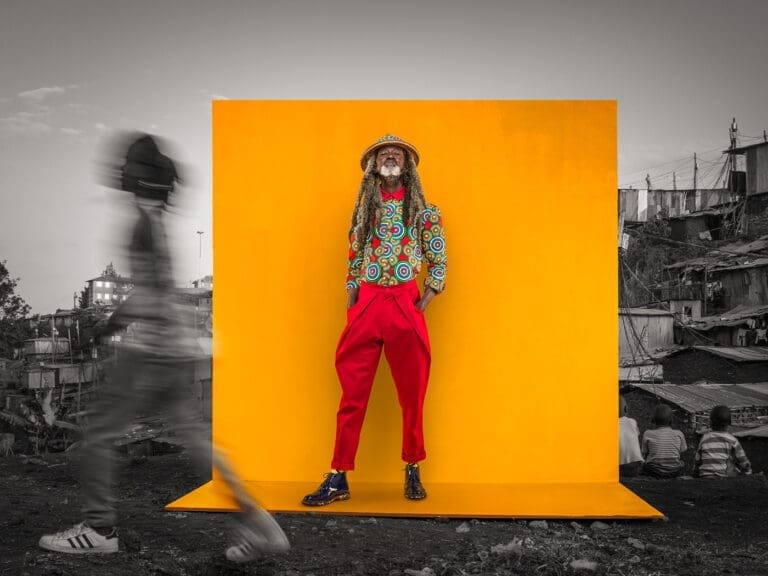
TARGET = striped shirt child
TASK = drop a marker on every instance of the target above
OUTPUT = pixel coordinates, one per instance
(662, 448)
(721, 454)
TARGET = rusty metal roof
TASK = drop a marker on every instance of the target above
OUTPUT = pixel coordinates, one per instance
(742, 149)
(644, 312)
(759, 432)
(703, 397)
(734, 317)
(738, 353)
(747, 247)
(708, 212)
(729, 256)
(756, 263)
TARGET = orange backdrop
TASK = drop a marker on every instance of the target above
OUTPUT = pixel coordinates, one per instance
(524, 339)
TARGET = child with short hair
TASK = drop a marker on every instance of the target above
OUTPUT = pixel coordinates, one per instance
(719, 452)
(663, 446)
(630, 456)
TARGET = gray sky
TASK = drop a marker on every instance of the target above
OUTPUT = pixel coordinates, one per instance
(72, 70)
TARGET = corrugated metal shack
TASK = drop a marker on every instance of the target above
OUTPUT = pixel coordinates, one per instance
(757, 166)
(726, 364)
(742, 326)
(643, 332)
(38, 348)
(755, 443)
(733, 275)
(709, 224)
(642, 205)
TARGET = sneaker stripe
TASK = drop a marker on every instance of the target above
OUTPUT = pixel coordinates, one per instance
(71, 542)
(79, 542)
(87, 541)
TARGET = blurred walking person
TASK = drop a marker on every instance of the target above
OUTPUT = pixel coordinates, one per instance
(152, 368)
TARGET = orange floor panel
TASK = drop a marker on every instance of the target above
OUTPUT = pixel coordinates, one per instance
(585, 500)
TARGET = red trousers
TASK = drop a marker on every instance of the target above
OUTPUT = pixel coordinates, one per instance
(384, 316)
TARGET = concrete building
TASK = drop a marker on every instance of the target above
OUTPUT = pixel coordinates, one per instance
(108, 289)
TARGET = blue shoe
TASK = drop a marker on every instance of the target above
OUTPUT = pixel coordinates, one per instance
(334, 487)
(413, 487)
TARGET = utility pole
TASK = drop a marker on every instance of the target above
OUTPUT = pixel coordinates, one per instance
(695, 172)
(674, 180)
(74, 301)
(695, 177)
(733, 132)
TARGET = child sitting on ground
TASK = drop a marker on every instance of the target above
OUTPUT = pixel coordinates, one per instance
(720, 453)
(630, 457)
(663, 446)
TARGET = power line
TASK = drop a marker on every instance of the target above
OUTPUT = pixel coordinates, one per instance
(679, 160)
(628, 318)
(681, 170)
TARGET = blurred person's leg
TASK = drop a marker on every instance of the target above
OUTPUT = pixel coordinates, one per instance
(258, 532)
(120, 399)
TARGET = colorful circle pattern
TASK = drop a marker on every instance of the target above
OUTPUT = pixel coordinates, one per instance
(403, 271)
(373, 272)
(398, 255)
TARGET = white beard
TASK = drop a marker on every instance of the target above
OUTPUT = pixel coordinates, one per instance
(390, 171)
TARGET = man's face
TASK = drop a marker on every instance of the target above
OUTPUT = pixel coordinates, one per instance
(390, 161)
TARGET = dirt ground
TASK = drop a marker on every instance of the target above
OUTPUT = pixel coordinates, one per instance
(713, 527)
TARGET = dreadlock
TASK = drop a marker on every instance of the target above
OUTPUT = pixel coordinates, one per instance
(368, 206)
(414, 202)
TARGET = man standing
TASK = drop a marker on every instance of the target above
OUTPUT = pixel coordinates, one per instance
(393, 229)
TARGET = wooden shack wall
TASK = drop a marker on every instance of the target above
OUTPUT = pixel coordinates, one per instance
(656, 331)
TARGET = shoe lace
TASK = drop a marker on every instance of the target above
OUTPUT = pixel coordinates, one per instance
(74, 531)
(327, 479)
(413, 476)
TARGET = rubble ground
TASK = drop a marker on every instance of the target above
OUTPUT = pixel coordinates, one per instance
(712, 527)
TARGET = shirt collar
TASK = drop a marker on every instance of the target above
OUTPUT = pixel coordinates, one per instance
(398, 194)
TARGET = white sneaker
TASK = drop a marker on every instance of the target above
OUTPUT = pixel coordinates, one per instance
(80, 539)
(258, 535)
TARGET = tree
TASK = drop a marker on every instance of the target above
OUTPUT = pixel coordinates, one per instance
(82, 300)
(13, 311)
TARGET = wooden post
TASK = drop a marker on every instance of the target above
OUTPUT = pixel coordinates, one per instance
(53, 338)
(695, 177)
(79, 387)
(621, 236)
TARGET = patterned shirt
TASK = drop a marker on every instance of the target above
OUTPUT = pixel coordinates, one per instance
(662, 447)
(393, 254)
(720, 454)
